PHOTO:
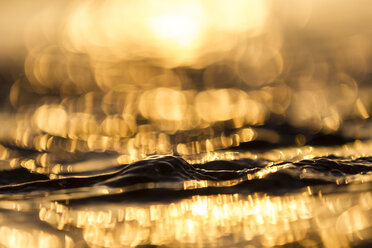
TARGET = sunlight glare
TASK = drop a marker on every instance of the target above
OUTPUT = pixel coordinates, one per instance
(180, 29)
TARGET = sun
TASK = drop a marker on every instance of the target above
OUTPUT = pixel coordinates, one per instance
(179, 29)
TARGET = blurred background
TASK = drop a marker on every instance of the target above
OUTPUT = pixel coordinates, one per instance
(183, 77)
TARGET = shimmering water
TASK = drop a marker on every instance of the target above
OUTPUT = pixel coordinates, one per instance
(300, 196)
(185, 123)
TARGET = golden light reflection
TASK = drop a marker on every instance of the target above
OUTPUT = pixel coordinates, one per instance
(51, 119)
(259, 220)
(120, 80)
(103, 73)
(21, 237)
(135, 149)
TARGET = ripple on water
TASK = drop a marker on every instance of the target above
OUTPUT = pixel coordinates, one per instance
(317, 200)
